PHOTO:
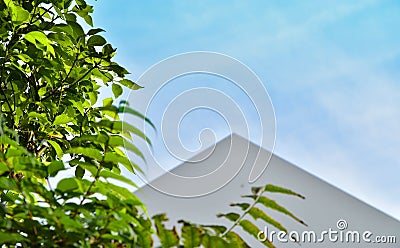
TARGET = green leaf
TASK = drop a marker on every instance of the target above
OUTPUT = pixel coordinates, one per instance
(84, 12)
(37, 36)
(144, 240)
(67, 184)
(235, 240)
(68, 223)
(124, 127)
(216, 228)
(62, 119)
(63, 28)
(230, 216)
(122, 192)
(86, 166)
(87, 151)
(108, 50)
(102, 75)
(168, 238)
(116, 158)
(18, 14)
(3, 168)
(88, 19)
(107, 102)
(79, 172)
(14, 152)
(41, 38)
(191, 236)
(117, 90)
(70, 17)
(109, 174)
(56, 147)
(8, 183)
(96, 40)
(118, 141)
(253, 230)
(92, 97)
(95, 31)
(78, 105)
(130, 84)
(8, 237)
(276, 189)
(41, 118)
(99, 138)
(125, 109)
(209, 241)
(119, 70)
(275, 206)
(54, 167)
(257, 213)
(77, 29)
(6, 140)
(42, 91)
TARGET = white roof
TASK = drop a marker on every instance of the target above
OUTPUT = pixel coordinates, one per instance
(323, 207)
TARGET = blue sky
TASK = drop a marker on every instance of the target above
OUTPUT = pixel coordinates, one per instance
(331, 69)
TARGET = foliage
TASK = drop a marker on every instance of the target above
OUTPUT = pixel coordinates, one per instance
(51, 72)
(51, 124)
(194, 235)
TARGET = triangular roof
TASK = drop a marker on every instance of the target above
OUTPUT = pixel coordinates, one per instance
(323, 207)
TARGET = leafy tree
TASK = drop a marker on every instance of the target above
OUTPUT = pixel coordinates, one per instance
(51, 70)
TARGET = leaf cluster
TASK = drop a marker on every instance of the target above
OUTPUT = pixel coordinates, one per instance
(220, 236)
(51, 71)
